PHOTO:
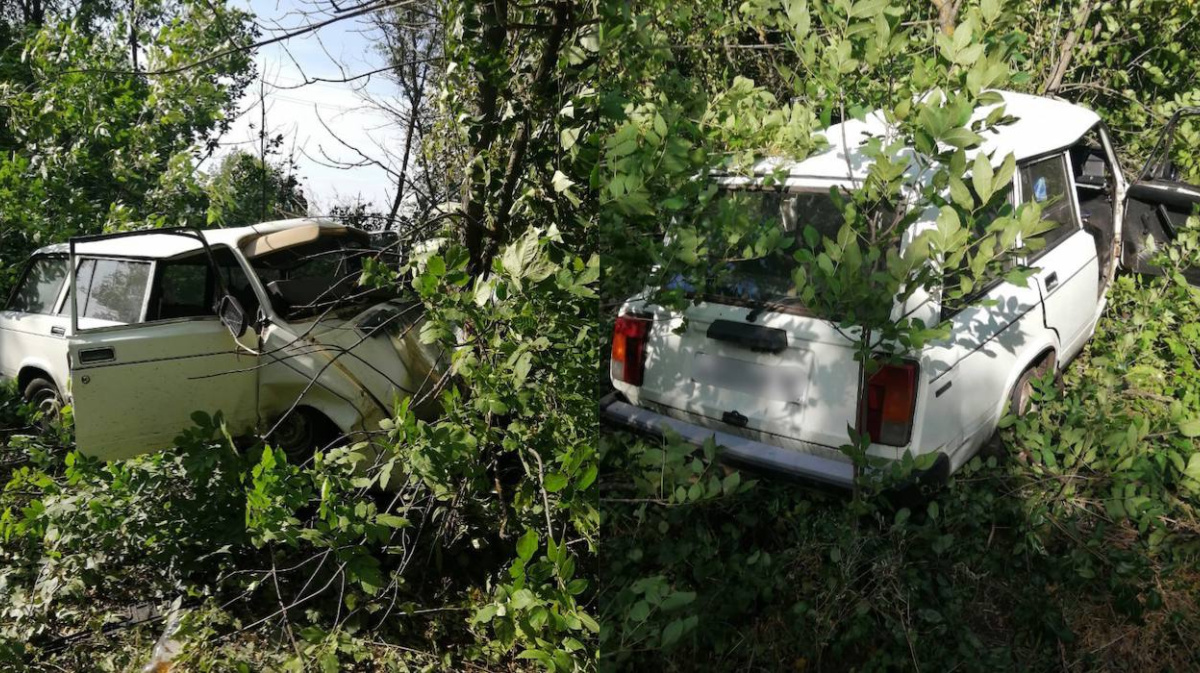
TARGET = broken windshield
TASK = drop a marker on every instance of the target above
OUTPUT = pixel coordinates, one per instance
(320, 277)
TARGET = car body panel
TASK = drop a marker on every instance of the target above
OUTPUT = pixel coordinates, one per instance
(142, 397)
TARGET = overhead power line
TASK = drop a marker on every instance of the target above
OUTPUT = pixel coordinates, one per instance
(361, 11)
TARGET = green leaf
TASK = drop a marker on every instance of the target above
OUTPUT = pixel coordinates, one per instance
(865, 8)
(436, 266)
(556, 482)
(639, 612)
(731, 482)
(392, 521)
(561, 182)
(981, 177)
(962, 138)
(525, 259)
(960, 194)
(677, 600)
(527, 545)
(672, 633)
(1190, 428)
(568, 138)
(1193, 467)
(660, 125)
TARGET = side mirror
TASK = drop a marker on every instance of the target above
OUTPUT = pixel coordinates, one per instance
(232, 315)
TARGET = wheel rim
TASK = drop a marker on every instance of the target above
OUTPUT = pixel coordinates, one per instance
(48, 405)
(296, 436)
(1024, 397)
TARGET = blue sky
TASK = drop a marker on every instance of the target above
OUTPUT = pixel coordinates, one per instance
(341, 49)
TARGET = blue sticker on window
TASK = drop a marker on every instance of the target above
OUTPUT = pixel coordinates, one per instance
(1040, 190)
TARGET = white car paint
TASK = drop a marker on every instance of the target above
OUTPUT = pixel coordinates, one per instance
(134, 387)
(803, 398)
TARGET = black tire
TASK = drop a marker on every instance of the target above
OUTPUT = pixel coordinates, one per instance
(301, 433)
(43, 395)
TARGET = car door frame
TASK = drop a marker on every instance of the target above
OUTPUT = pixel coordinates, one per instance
(60, 376)
(1119, 196)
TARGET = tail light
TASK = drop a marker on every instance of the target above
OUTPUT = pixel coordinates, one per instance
(891, 401)
(629, 349)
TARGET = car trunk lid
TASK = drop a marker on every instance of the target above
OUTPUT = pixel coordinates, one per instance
(785, 374)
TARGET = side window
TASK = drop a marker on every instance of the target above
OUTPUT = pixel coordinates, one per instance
(185, 288)
(1046, 182)
(41, 286)
(181, 290)
(112, 289)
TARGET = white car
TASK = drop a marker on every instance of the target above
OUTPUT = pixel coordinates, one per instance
(776, 387)
(266, 324)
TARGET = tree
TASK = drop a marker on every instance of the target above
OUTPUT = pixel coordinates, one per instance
(244, 190)
(89, 143)
(520, 77)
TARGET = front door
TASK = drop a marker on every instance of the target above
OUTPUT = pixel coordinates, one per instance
(149, 353)
(1164, 196)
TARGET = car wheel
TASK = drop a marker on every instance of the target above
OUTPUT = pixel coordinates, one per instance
(1022, 395)
(299, 434)
(44, 397)
(1020, 401)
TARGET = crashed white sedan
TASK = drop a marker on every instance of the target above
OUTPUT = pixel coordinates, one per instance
(266, 324)
(777, 386)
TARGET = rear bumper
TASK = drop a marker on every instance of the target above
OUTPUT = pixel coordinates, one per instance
(741, 449)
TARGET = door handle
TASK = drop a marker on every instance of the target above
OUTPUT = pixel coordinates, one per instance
(94, 355)
(1052, 281)
(58, 331)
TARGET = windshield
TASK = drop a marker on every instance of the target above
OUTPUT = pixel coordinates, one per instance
(318, 278)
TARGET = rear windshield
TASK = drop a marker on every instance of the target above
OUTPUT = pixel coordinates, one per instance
(754, 280)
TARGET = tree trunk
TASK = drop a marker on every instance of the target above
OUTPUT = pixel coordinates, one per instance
(495, 17)
(1067, 51)
(947, 14)
(542, 82)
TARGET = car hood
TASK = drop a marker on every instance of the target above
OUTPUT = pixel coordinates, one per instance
(380, 351)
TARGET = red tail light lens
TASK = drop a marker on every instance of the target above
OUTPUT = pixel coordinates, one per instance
(891, 402)
(629, 349)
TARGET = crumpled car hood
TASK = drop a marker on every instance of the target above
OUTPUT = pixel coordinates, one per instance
(380, 351)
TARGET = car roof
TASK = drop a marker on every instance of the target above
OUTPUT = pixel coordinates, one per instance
(165, 246)
(1042, 126)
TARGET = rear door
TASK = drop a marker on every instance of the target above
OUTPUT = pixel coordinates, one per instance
(33, 331)
(1067, 269)
(1165, 194)
(149, 352)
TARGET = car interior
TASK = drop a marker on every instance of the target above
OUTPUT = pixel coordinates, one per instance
(1163, 197)
(1094, 186)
